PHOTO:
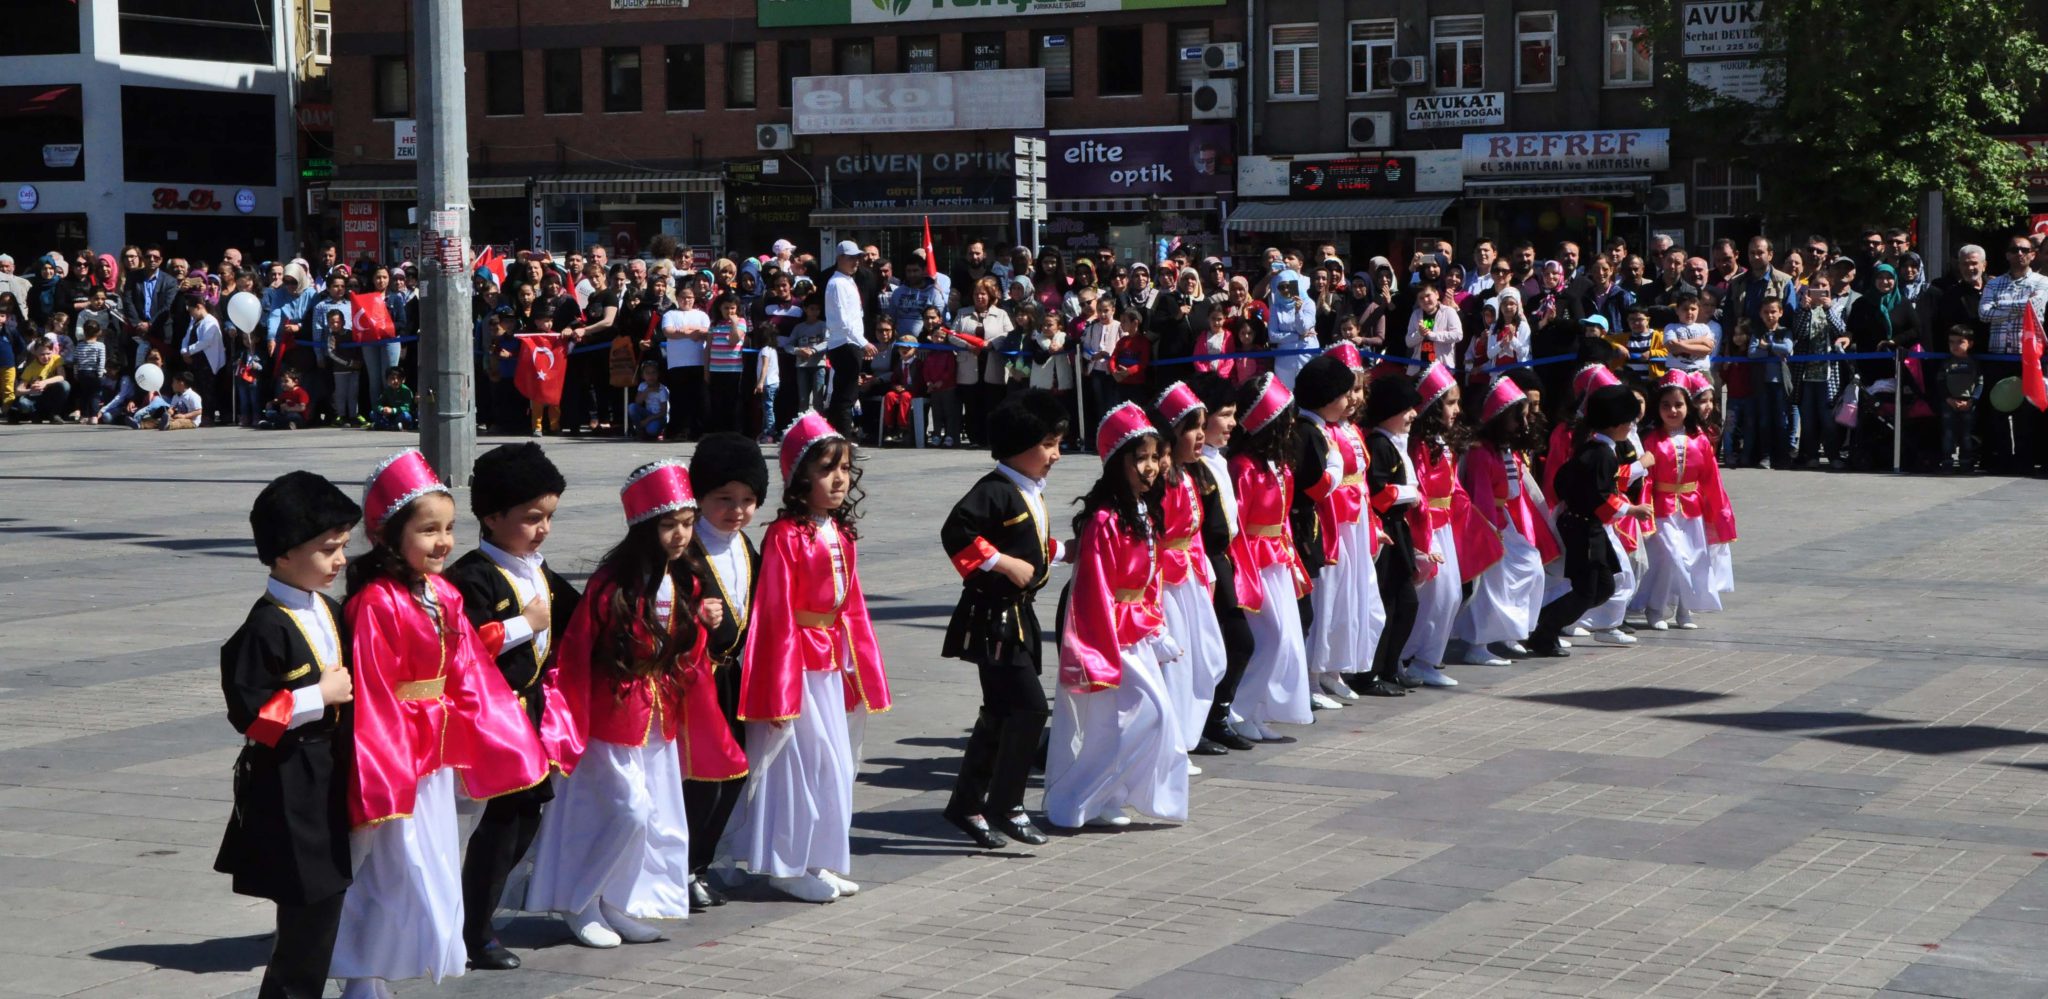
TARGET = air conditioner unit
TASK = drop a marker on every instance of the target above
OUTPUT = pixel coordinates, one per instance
(1371, 129)
(1223, 57)
(1216, 99)
(1665, 199)
(769, 138)
(1407, 71)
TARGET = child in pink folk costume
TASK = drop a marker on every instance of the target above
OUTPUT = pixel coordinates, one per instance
(814, 674)
(1187, 583)
(1692, 509)
(1270, 577)
(429, 704)
(1508, 594)
(1116, 741)
(1443, 524)
(1329, 469)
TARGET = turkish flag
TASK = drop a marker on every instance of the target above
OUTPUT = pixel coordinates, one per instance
(2031, 384)
(491, 263)
(542, 363)
(373, 320)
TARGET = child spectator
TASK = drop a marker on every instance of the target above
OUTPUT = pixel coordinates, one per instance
(1099, 335)
(205, 353)
(178, 409)
(394, 404)
(1767, 377)
(1739, 379)
(41, 392)
(767, 383)
(1131, 361)
(806, 342)
(345, 363)
(1690, 340)
(648, 412)
(543, 326)
(130, 397)
(88, 372)
(727, 363)
(901, 385)
(1963, 384)
(289, 410)
(58, 324)
(939, 372)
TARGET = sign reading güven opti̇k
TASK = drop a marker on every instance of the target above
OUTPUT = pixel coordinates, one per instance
(798, 13)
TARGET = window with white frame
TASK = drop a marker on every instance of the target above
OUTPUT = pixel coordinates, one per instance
(1296, 66)
(1536, 50)
(1372, 56)
(1629, 60)
(1458, 47)
(1724, 188)
(322, 37)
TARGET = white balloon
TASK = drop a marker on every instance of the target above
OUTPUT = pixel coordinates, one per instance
(245, 311)
(149, 378)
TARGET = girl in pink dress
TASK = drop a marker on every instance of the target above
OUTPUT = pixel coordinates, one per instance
(1692, 510)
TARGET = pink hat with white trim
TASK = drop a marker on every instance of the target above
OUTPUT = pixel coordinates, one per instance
(1120, 426)
(1676, 378)
(655, 489)
(1435, 381)
(1503, 394)
(1274, 399)
(1593, 377)
(807, 432)
(396, 481)
(1699, 383)
(1176, 403)
(1348, 353)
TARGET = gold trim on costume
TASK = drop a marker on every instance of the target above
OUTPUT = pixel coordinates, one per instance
(1265, 530)
(813, 619)
(303, 669)
(422, 690)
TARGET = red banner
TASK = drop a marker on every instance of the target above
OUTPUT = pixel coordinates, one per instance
(362, 229)
(543, 361)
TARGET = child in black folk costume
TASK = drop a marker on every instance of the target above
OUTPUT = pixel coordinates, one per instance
(730, 477)
(285, 676)
(520, 607)
(1589, 498)
(999, 538)
(1391, 487)
(1219, 527)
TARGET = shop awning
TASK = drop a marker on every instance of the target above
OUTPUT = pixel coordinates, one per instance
(1340, 216)
(683, 182)
(1557, 187)
(887, 218)
(406, 190)
(1098, 206)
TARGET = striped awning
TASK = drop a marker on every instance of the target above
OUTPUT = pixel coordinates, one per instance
(1098, 206)
(395, 189)
(896, 217)
(685, 182)
(1340, 216)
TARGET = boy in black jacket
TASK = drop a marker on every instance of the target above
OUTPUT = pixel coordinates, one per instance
(1391, 488)
(1219, 525)
(285, 676)
(999, 538)
(1589, 497)
(519, 606)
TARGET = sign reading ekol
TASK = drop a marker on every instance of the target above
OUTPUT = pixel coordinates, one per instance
(798, 13)
(919, 102)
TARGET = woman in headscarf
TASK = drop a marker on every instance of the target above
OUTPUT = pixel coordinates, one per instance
(1882, 321)
(106, 271)
(1372, 301)
(1548, 301)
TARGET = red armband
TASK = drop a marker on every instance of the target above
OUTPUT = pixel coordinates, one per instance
(968, 560)
(1321, 487)
(1610, 511)
(273, 719)
(1383, 500)
(493, 635)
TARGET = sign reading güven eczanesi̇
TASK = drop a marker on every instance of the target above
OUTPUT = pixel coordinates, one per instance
(799, 13)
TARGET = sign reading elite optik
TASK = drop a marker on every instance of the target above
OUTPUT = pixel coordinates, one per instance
(801, 13)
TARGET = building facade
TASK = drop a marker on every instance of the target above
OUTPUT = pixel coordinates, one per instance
(730, 123)
(148, 121)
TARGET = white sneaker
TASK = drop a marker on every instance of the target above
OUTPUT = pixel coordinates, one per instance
(1324, 702)
(1114, 818)
(1432, 676)
(629, 929)
(1615, 636)
(1577, 631)
(1334, 685)
(1193, 770)
(1688, 625)
(1517, 648)
(1480, 655)
(845, 888)
(809, 888)
(590, 929)
(1564, 643)
(1660, 626)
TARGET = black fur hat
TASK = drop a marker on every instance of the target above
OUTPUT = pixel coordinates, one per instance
(1525, 379)
(1612, 406)
(295, 508)
(1321, 382)
(728, 457)
(511, 474)
(1021, 421)
(1390, 395)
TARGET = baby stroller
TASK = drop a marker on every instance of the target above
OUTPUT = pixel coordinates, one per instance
(1882, 404)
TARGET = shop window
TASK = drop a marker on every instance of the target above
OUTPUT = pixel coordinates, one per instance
(739, 76)
(985, 50)
(1372, 53)
(239, 145)
(685, 71)
(1458, 46)
(505, 82)
(393, 86)
(208, 30)
(561, 80)
(793, 59)
(320, 39)
(1295, 67)
(1628, 54)
(41, 27)
(921, 54)
(621, 79)
(853, 56)
(1187, 68)
(33, 119)
(1053, 51)
(1119, 61)
(1536, 50)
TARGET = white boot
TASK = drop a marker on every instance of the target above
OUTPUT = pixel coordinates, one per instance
(1113, 817)
(1324, 702)
(844, 887)
(1577, 631)
(629, 929)
(1479, 655)
(1615, 636)
(590, 929)
(1193, 770)
(1432, 676)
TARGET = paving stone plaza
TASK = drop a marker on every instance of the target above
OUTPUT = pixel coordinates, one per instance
(1838, 788)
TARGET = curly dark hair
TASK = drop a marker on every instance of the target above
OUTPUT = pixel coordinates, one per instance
(796, 494)
(1112, 491)
(636, 567)
(1653, 417)
(383, 560)
(1439, 433)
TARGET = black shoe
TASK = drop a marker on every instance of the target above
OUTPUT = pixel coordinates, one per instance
(1504, 651)
(1017, 826)
(1228, 738)
(493, 957)
(1401, 677)
(1209, 747)
(700, 895)
(1549, 652)
(1382, 688)
(1627, 628)
(977, 829)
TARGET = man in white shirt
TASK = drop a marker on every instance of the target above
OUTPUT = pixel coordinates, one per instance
(846, 343)
(2003, 307)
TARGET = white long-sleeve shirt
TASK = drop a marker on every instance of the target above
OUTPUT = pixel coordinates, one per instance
(528, 581)
(313, 618)
(203, 339)
(845, 320)
(1445, 331)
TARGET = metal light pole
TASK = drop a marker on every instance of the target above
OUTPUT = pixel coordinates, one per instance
(447, 401)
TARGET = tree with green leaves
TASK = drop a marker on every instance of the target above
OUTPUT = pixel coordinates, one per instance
(1875, 103)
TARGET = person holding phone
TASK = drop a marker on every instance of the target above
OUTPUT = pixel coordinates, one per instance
(1291, 326)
